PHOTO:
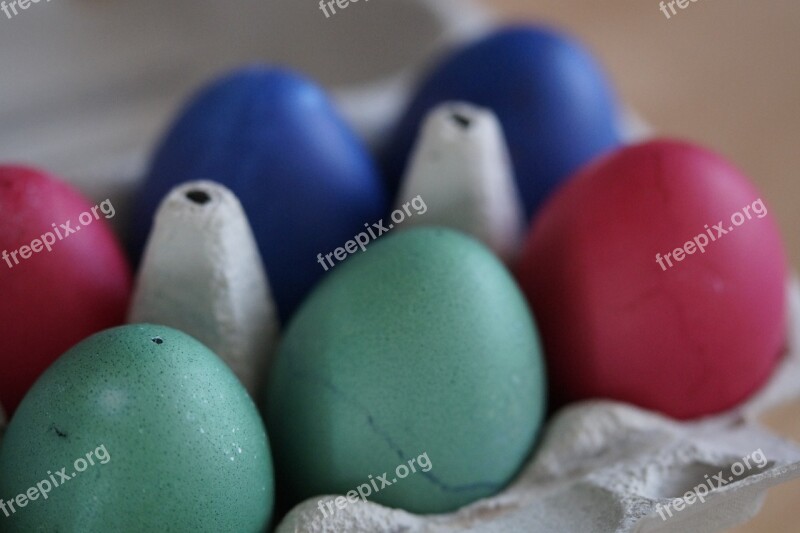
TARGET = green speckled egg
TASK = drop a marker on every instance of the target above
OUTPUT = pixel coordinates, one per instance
(423, 344)
(137, 428)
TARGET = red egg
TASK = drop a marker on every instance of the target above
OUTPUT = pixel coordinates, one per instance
(63, 275)
(690, 333)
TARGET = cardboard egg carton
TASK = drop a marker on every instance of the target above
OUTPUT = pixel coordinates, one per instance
(600, 466)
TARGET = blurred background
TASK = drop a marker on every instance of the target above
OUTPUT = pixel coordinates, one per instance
(88, 86)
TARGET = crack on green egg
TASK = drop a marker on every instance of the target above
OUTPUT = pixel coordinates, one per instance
(492, 486)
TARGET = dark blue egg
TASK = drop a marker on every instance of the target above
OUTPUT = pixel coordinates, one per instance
(305, 180)
(552, 98)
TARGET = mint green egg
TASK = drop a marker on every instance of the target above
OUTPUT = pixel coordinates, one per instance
(413, 372)
(138, 428)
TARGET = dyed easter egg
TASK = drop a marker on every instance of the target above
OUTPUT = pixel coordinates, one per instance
(658, 278)
(418, 359)
(552, 98)
(305, 181)
(138, 428)
(63, 276)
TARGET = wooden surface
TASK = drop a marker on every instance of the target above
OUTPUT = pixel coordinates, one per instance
(724, 74)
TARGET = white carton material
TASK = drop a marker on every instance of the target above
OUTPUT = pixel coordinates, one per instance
(462, 169)
(202, 274)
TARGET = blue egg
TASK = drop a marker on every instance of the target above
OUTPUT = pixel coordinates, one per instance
(305, 180)
(552, 98)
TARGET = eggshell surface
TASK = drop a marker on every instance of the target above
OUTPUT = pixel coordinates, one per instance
(423, 344)
(76, 285)
(186, 448)
(689, 336)
(553, 100)
(304, 179)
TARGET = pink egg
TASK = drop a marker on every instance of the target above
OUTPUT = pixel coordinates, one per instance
(657, 277)
(63, 275)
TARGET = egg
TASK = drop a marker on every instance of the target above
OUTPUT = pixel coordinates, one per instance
(416, 364)
(658, 278)
(553, 100)
(274, 138)
(63, 275)
(138, 428)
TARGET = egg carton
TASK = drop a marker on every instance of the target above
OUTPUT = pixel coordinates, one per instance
(600, 466)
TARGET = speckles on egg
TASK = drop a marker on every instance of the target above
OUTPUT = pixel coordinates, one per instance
(429, 328)
(169, 443)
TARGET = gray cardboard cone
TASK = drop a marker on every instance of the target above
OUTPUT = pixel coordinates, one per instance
(462, 170)
(202, 274)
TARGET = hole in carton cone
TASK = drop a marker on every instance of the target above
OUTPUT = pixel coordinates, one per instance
(462, 120)
(199, 197)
